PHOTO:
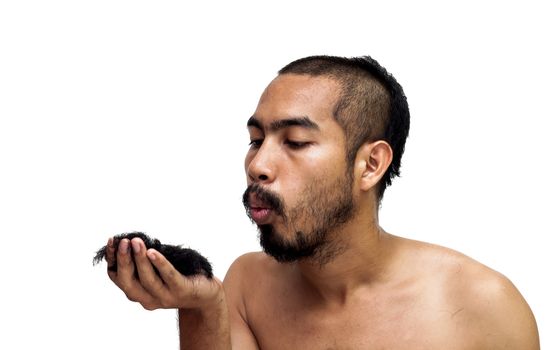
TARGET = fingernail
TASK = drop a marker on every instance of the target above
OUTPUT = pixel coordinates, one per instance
(124, 247)
(135, 246)
(151, 254)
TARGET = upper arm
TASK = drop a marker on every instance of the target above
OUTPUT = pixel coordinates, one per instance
(505, 319)
(241, 334)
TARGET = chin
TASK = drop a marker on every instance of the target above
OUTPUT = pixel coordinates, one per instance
(281, 250)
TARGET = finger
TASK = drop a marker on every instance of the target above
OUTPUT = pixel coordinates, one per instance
(125, 264)
(110, 253)
(125, 279)
(168, 272)
(147, 275)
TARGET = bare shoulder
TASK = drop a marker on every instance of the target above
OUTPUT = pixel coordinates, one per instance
(249, 274)
(485, 305)
(494, 309)
(249, 267)
(244, 279)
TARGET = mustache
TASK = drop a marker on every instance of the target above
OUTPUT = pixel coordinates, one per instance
(265, 196)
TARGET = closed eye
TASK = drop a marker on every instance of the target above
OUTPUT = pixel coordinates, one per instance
(296, 144)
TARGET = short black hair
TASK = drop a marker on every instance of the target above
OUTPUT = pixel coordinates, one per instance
(372, 105)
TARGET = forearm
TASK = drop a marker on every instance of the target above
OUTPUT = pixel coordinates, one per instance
(205, 328)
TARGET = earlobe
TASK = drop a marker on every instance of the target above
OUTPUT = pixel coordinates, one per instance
(373, 161)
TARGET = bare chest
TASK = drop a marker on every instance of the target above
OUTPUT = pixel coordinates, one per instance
(395, 323)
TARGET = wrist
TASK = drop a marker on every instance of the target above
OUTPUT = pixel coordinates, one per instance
(207, 325)
(210, 306)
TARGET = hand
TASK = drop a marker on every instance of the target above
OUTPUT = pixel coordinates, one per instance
(169, 290)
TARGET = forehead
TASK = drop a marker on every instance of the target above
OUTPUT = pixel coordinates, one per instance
(293, 95)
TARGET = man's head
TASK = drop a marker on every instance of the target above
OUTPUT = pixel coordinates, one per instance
(371, 104)
(310, 164)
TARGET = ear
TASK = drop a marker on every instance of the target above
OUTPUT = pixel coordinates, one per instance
(371, 163)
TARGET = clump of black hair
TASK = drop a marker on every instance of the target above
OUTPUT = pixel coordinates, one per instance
(187, 261)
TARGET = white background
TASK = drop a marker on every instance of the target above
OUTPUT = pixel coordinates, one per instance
(130, 115)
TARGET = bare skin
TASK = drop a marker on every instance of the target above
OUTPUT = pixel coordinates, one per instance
(378, 291)
(428, 300)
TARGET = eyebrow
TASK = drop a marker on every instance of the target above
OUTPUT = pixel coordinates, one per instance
(303, 122)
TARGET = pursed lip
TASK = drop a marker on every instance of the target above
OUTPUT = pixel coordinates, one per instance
(259, 211)
(260, 215)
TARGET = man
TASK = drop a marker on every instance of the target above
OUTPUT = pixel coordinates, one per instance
(326, 140)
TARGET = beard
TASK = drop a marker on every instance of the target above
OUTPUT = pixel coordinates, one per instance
(323, 207)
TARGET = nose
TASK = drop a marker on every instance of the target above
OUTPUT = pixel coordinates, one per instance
(261, 165)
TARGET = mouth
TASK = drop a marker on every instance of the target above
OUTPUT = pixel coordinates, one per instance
(260, 215)
(261, 205)
(259, 210)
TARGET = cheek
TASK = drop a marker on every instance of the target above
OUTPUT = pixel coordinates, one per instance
(299, 184)
(324, 163)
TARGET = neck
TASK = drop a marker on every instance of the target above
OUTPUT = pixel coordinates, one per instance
(360, 258)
